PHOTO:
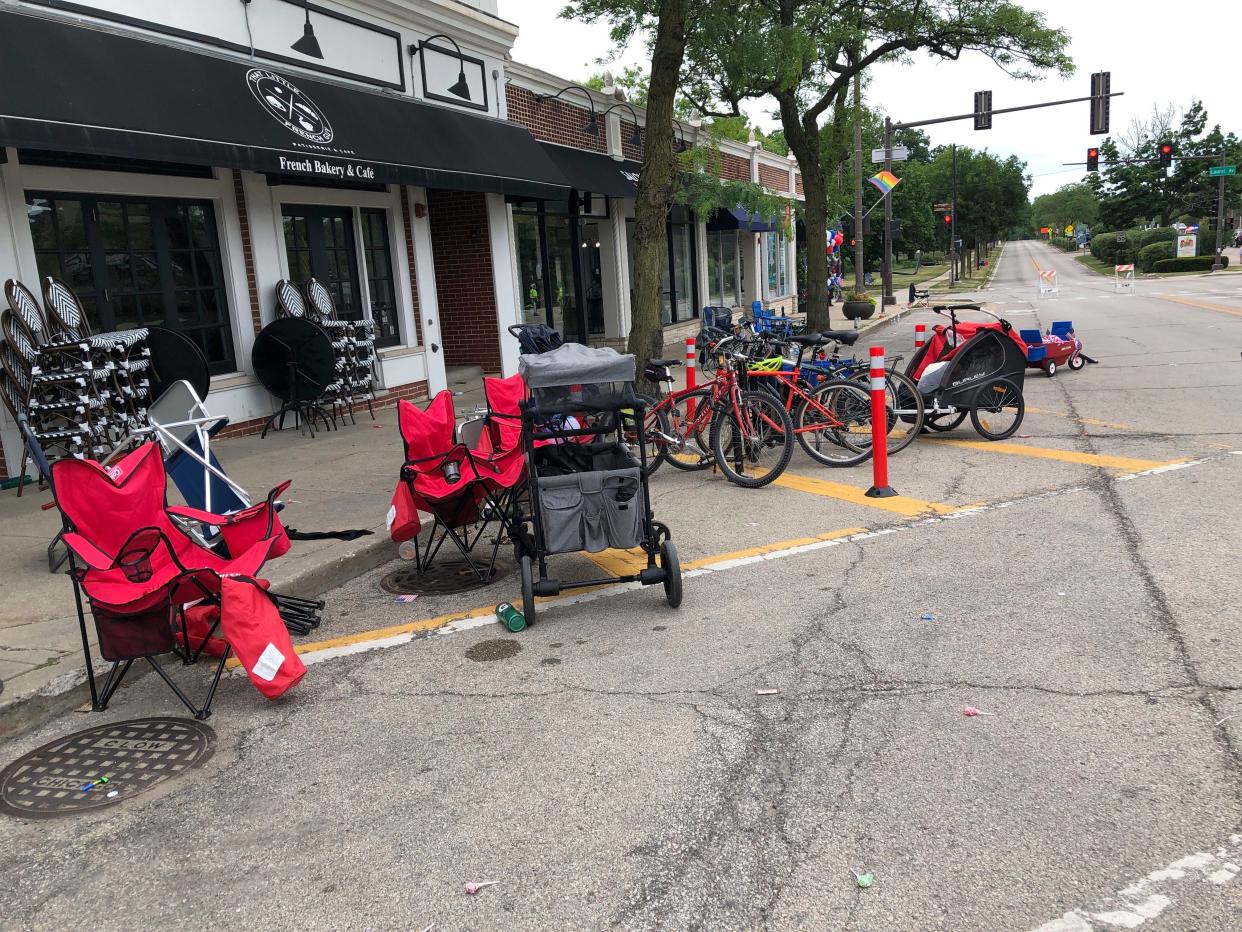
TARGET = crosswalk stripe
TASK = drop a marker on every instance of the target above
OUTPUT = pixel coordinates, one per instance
(1129, 464)
(910, 507)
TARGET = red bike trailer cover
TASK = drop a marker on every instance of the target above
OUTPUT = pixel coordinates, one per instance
(939, 350)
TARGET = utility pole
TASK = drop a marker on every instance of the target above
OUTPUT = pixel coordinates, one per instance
(858, 183)
(953, 225)
(888, 297)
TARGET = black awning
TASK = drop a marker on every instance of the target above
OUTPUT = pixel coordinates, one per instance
(735, 218)
(595, 172)
(72, 88)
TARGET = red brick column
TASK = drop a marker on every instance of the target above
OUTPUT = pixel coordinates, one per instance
(252, 280)
(462, 247)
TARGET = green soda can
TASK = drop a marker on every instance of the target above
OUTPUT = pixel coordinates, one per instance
(510, 617)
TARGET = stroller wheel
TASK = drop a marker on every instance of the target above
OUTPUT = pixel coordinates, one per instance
(1050, 368)
(1076, 362)
(672, 573)
(528, 589)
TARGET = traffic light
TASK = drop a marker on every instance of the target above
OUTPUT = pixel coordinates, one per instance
(1166, 154)
(948, 218)
(1093, 160)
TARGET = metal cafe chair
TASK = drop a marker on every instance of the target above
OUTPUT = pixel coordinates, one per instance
(291, 303)
(357, 362)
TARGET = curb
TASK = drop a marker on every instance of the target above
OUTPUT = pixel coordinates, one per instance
(70, 691)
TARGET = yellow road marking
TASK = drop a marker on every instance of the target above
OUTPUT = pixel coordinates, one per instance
(619, 562)
(772, 548)
(1085, 420)
(1205, 305)
(910, 507)
(1124, 463)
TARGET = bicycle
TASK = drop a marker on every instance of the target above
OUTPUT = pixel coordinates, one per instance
(832, 421)
(747, 434)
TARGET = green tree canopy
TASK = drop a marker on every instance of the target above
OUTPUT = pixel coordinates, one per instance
(1076, 203)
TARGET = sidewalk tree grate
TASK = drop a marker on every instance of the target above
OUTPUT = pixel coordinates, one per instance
(444, 578)
(134, 756)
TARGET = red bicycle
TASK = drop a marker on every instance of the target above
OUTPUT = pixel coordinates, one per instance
(748, 434)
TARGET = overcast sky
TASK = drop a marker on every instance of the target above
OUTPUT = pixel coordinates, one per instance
(1156, 59)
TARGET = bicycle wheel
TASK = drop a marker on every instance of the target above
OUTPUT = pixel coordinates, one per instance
(998, 409)
(690, 447)
(655, 425)
(756, 451)
(905, 410)
(833, 425)
(944, 422)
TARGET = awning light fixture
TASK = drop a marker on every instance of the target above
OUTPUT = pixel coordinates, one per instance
(308, 44)
(591, 127)
(636, 138)
(461, 87)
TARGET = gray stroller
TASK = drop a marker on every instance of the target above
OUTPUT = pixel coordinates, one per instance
(587, 489)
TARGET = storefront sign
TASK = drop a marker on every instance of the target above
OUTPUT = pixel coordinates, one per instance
(1187, 244)
(321, 168)
(289, 106)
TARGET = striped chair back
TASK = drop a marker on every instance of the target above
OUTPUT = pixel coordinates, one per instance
(64, 310)
(289, 300)
(321, 300)
(26, 311)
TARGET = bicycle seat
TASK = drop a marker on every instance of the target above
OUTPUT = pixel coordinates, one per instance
(664, 362)
(848, 337)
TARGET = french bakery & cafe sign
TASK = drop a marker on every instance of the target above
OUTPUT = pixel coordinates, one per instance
(320, 168)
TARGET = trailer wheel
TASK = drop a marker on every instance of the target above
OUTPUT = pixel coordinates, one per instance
(672, 573)
(528, 589)
(1076, 362)
(1050, 368)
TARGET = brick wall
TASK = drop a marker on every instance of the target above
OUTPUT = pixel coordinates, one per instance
(464, 286)
(408, 226)
(411, 391)
(252, 280)
(734, 167)
(628, 149)
(774, 179)
(556, 121)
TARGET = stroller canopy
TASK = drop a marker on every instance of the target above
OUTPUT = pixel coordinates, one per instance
(575, 364)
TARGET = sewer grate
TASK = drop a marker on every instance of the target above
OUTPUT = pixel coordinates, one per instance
(135, 756)
(445, 578)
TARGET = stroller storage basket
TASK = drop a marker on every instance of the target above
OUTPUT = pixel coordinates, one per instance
(593, 510)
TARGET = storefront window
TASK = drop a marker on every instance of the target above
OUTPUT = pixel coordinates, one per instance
(319, 243)
(559, 270)
(592, 276)
(380, 284)
(722, 280)
(530, 267)
(136, 262)
(563, 295)
(678, 297)
(778, 265)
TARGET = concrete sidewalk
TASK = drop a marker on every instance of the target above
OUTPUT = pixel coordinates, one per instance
(342, 479)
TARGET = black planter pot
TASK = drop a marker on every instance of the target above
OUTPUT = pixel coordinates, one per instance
(857, 310)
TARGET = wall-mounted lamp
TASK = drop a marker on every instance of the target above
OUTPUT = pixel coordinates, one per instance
(636, 138)
(308, 44)
(591, 127)
(681, 144)
(461, 88)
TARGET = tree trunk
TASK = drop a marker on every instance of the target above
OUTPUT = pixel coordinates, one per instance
(655, 185)
(803, 142)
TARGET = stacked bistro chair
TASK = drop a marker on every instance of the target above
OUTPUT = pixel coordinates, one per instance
(154, 588)
(81, 392)
(291, 303)
(466, 488)
(356, 364)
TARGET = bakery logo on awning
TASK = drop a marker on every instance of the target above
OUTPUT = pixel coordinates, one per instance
(289, 106)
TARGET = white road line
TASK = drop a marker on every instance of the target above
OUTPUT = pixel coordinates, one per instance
(1150, 896)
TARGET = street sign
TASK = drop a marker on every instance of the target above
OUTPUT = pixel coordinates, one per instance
(1217, 170)
(938, 207)
(899, 154)
(1069, 230)
(1101, 104)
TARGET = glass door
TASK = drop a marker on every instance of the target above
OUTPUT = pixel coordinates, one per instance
(562, 253)
(592, 276)
(319, 242)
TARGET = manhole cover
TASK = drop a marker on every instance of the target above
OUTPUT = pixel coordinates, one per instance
(496, 649)
(444, 578)
(134, 757)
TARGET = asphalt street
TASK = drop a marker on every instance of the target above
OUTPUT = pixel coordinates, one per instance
(614, 766)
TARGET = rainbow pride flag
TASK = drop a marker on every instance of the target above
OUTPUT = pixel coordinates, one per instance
(885, 182)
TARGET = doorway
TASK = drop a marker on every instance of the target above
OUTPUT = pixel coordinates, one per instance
(319, 242)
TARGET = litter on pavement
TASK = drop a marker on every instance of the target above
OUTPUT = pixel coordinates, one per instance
(476, 885)
(404, 599)
(863, 880)
(927, 616)
(767, 692)
(970, 712)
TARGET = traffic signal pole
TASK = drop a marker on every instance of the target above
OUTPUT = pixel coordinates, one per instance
(953, 225)
(887, 274)
(1217, 264)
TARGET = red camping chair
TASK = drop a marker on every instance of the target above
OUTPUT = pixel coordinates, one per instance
(464, 491)
(140, 569)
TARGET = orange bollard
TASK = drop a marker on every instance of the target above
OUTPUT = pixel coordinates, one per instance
(879, 429)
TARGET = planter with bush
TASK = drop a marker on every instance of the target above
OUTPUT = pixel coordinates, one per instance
(858, 305)
(1188, 264)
